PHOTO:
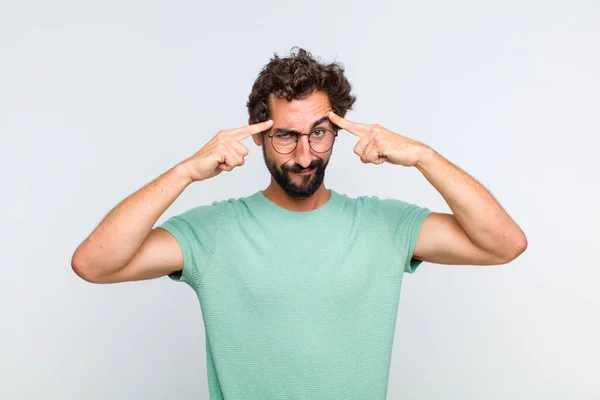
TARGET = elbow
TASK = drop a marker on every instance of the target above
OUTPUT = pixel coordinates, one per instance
(81, 269)
(516, 250)
(521, 246)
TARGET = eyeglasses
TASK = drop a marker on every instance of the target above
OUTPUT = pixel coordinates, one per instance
(320, 140)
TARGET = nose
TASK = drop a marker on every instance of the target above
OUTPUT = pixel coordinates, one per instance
(302, 154)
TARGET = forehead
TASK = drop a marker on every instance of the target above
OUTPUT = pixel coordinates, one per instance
(298, 113)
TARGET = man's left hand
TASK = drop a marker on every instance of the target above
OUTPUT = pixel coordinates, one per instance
(378, 145)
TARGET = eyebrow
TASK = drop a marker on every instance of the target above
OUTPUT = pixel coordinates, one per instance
(295, 132)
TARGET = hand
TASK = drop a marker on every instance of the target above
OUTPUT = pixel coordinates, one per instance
(223, 152)
(378, 145)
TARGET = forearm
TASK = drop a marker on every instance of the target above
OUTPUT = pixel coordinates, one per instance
(121, 233)
(482, 218)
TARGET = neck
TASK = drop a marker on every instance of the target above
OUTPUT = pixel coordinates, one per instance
(280, 197)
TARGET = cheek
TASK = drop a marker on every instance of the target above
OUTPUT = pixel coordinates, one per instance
(281, 161)
(275, 158)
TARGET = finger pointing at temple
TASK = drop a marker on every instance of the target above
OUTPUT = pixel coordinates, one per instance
(245, 131)
(355, 128)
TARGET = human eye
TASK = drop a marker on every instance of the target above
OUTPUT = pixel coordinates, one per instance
(318, 133)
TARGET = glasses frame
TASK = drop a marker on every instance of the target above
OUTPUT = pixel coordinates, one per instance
(335, 134)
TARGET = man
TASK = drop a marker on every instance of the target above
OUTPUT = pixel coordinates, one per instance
(298, 284)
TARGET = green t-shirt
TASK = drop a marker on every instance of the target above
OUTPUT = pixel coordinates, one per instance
(298, 305)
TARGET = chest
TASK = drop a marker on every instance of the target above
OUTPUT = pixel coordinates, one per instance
(308, 269)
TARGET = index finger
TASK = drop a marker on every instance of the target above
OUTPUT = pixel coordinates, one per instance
(353, 127)
(245, 131)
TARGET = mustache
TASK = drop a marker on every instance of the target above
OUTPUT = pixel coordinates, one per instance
(299, 168)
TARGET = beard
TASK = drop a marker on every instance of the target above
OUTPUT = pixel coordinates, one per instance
(310, 183)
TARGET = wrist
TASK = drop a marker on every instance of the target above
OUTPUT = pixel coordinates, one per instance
(183, 173)
(426, 156)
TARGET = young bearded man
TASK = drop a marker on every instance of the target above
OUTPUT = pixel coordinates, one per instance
(298, 284)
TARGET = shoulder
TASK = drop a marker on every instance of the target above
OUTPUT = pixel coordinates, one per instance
(194, 219)
(361, 201)
(365, 207)
(372, 202)
(233, 208)
(390, 208)
(217, 206)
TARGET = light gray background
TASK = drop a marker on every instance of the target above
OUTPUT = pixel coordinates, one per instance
(97, 99)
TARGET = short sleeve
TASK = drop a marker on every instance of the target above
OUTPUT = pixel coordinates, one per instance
(404, 221)
(196, 231)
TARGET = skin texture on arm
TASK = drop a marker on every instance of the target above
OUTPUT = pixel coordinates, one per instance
(479, 228)
(479, 232)
(443, 241)
(159, 255)
(114, 244)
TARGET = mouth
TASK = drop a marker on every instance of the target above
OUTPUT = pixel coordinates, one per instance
(306, 171)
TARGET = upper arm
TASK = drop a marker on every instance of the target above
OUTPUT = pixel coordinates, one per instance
(443, 241)
(160, 254)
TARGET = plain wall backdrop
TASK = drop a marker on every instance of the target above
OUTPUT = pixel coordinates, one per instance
(98, 99)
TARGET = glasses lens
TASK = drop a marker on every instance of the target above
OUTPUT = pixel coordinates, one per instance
(321, 140)
(284, 142)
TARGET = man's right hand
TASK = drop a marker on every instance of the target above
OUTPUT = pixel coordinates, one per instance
(223, 152)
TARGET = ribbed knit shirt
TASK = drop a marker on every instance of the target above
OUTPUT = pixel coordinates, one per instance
(298, 305)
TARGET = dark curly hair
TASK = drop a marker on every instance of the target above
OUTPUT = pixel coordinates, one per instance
(295, 77)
